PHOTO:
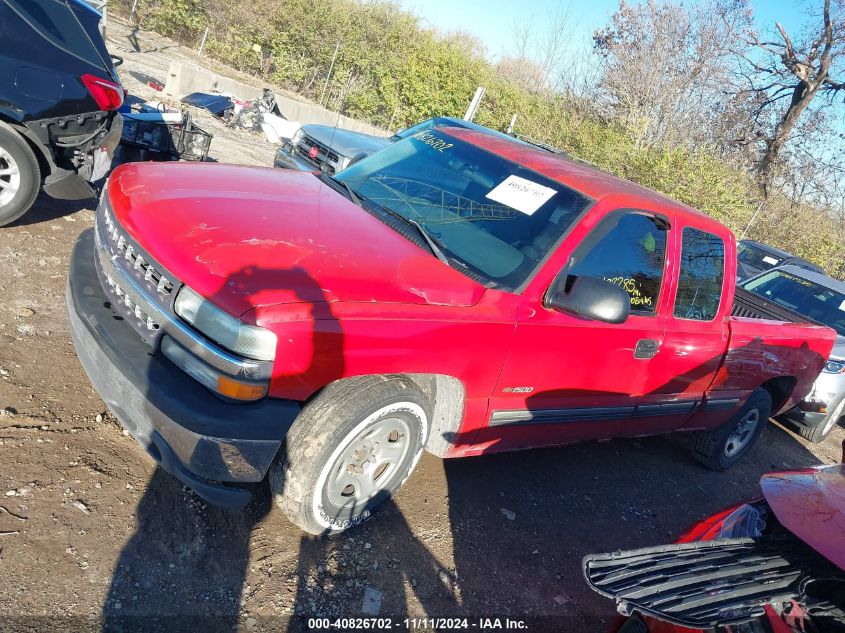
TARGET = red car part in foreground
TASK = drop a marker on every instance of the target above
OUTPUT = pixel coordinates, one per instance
(455, 291)
(774, 565)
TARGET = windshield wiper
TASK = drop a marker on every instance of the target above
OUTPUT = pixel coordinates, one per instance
(333, 182)
(432, 243)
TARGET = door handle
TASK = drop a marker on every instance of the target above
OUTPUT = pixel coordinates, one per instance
(646, 348)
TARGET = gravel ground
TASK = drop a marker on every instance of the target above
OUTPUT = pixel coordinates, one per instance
(93, 535)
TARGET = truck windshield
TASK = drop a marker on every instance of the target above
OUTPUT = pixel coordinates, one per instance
(756, 257)
(495, 217)
(816, 302)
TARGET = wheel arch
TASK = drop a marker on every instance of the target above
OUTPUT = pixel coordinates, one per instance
(448, 397)
(42, 154)
(780, 389)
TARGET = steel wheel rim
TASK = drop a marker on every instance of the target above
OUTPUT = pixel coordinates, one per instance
(743, 433)
(369, 463)
(10, 177)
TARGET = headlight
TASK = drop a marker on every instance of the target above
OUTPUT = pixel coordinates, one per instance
(834, 366)
(234, 388)
(297, 136)
(746, 520)
(247, 340)
(343, 163)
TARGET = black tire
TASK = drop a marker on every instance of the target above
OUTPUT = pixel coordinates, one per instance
(721, 448)
(28, 175)
(320, 445)
(816, 434)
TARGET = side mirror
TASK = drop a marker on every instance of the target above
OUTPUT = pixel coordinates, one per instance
(589, 297)
(359, 156)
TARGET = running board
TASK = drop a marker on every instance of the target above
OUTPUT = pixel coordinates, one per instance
(707, 583)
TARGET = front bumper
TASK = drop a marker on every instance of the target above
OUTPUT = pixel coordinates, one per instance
(287, 158)
(207, 444)
(828, 394)
(807, 419)
(811, 418)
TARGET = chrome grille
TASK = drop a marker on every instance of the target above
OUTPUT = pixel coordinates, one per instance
(133, 306)
(134, 259)
(326, 157)
(128, 301)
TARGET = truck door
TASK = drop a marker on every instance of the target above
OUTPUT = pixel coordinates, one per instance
(694, 340)
(567, 378)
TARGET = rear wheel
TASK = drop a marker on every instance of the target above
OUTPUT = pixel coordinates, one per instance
(817, 433)
(721, 448)
(20, 177)
(349, 451)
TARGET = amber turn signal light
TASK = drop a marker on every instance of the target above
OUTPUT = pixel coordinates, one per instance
(238, 390)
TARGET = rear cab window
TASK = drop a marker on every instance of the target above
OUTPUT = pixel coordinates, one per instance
(627, 249)
(701, 275)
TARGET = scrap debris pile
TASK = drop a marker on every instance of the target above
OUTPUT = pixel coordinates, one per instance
(154, 130)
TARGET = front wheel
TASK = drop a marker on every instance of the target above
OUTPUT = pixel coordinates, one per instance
(349, 451)
(721, 448)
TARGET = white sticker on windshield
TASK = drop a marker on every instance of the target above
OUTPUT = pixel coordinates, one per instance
(521, 194)
(842, 306)
(771, 260)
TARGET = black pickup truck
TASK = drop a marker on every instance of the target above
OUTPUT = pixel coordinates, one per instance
(59, 94)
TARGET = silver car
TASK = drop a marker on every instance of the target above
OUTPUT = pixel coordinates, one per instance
(794, 293)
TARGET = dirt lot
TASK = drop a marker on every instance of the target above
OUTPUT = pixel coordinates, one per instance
(92, 535)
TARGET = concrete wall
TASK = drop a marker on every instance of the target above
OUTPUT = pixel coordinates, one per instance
(184, 78)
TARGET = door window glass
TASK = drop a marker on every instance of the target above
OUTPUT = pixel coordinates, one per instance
(701, 274)
(628, 250)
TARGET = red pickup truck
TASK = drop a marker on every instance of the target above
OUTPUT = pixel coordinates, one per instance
(456, 292)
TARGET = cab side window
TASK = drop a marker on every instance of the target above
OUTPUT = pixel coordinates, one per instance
(627, 249)
(701, 274)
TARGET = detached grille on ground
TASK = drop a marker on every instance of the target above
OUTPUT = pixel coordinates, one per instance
(707, 583)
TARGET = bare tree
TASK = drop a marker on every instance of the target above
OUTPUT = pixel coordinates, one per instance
(544, 44)
(786, 79)
(664, 68)
(523, 73)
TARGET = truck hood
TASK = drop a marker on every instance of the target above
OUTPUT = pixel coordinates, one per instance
(811, 504)
(245, 237)
(345, 142)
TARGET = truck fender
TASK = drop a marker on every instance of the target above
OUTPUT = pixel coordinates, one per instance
(448, 395)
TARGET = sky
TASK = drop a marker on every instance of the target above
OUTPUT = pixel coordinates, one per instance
(491, 20)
